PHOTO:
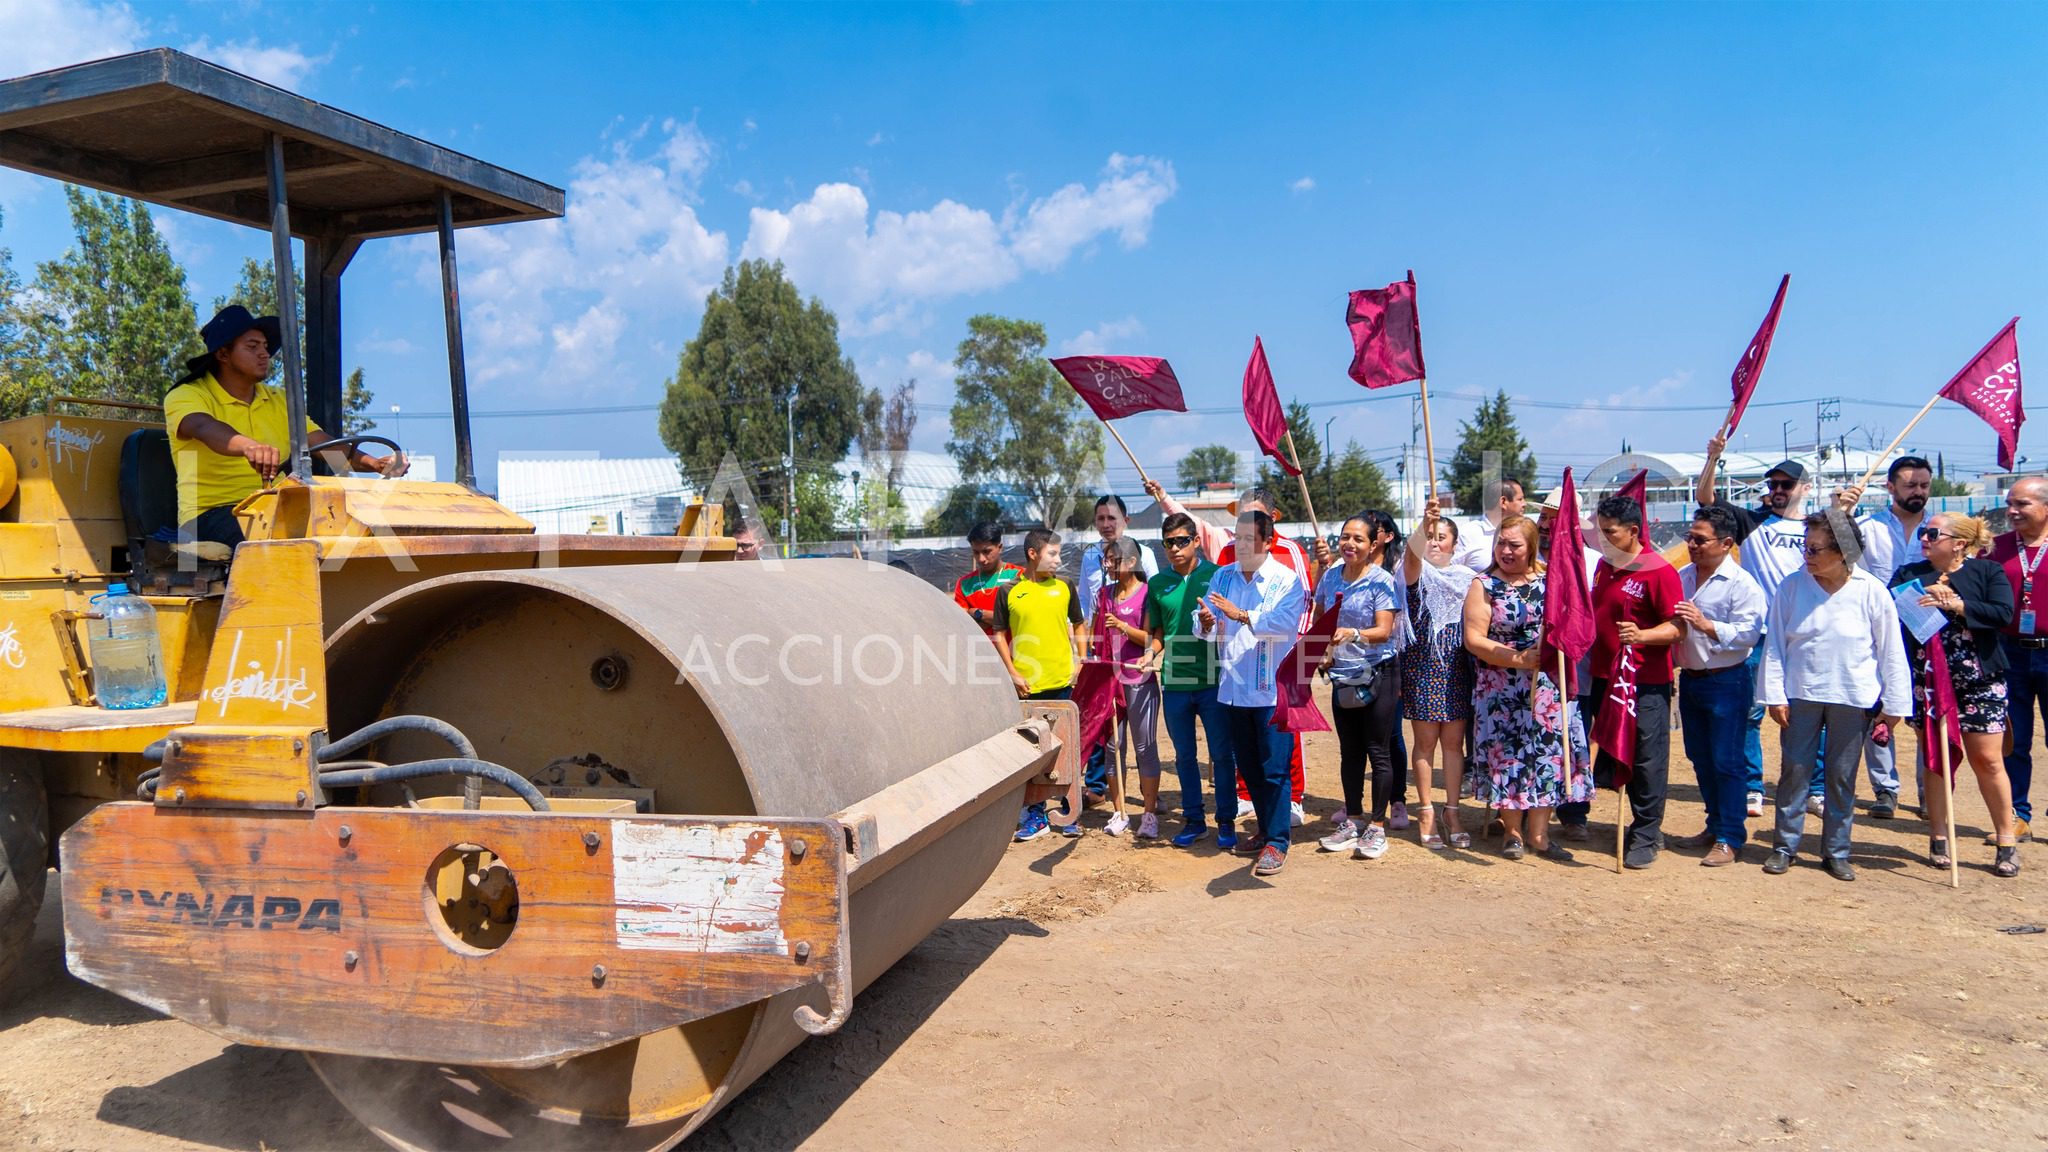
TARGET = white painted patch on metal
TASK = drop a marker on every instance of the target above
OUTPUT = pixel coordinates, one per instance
(698, 887)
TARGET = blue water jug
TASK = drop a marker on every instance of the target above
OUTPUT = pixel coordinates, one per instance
(127, 658)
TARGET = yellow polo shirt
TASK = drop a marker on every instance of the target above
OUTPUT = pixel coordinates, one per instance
(207, 479)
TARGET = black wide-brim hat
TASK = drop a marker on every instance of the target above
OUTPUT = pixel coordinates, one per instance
(226, 327)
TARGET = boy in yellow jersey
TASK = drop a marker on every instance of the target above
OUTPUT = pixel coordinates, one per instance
(1038, 631)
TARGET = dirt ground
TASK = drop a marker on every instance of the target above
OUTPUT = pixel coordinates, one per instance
(1106, 993)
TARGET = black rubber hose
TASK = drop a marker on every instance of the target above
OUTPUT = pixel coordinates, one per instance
(358, 773)
(154, 751)
(363, 737)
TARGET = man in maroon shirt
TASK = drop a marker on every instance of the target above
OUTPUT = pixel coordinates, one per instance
(2026, 638)
(1636, 594)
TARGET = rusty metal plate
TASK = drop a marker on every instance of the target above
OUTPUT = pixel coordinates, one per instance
(322, 931)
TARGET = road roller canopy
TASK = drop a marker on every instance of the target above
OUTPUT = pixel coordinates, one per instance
(174, 130)
(171, 129)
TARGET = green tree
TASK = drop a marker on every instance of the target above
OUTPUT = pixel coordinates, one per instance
(1014, 420)
(1943, 486)
(23, 379)
(1490, 430)
(1209, 464)
(758, 340)
(355, 403)
(112, 316)
(964, 507)
(1355, 484)
(1308, 449)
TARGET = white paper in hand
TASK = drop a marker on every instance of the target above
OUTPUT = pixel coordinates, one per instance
(1920, 619)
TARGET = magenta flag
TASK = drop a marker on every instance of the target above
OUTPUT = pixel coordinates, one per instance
(1117, 386)
(1750, 368)
(1294, 705)
(1941, 708)
(1614, 723)
(1567, 603)
(1638, 490)
(1262, 408)
(1095, 690)
(1386, 335)
(1990, 387)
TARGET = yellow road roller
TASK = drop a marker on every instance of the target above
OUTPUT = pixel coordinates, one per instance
(526, 840)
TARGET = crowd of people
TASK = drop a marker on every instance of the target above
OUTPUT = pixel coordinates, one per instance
(1832, 624)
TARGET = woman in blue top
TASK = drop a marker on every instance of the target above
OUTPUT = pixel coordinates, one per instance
(1372, 627)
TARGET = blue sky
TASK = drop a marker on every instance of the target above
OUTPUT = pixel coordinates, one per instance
(1597, 200)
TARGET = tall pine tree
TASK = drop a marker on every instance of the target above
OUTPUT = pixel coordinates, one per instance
(112, 317)
(1491, 430)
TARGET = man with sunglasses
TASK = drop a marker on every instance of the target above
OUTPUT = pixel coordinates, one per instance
(1772, 538)
(1187, 682)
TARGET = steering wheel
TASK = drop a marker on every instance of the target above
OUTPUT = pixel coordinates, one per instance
(345, 444)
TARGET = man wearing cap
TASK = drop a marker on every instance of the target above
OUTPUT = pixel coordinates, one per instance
(230, 430)
(1772, 537)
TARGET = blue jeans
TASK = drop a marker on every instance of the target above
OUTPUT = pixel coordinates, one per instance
(1262, 753)
(1798, 747)
(1714, 710)
(2026, 690)
(1753, 737)
(1182, 709)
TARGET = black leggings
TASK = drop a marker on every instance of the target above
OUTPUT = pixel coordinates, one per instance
(1367, 734)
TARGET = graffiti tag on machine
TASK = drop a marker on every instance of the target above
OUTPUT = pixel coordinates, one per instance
(239, 910)
(273, 685)
(69, 445)
(10, 647)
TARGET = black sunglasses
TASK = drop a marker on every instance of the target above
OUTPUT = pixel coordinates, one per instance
(1781, 482)
(1930, 533)
(1178, 541)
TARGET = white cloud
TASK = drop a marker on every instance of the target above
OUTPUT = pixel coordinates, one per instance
(281, 64)
(881, 269)
(876, 139)
(1097, 341)
(924, 367)
(392, 346)
(1132, 188)
(36, 35)
(1305, 184)
(555, 298)
(1596, 417)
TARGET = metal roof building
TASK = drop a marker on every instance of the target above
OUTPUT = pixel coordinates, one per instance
(585, 493)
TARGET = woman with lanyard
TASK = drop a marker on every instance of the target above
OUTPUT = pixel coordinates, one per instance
(1134, 652)
(1976, 599)
(1436, 672)
(1371, 630)
(1516, 732)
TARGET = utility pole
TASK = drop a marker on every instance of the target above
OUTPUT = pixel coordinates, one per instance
(789, 474)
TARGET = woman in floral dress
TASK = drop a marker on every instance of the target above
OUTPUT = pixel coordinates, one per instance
(1520, 753)
(1978, 600)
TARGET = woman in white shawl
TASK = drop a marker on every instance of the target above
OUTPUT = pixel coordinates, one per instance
(1436, 672)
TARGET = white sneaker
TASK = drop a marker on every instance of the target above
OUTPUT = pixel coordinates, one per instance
(1817, 806)
(1398, 820)
(1372, 844)
(1344, 837)
(1756, 803)
(1117, 824)
(1148, 827)
(1296, 817)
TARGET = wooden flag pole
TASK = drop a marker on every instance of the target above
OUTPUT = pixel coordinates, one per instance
(1620, 807)
(1302, 479)
(1428, 446)
(1896, 441)
(1955, 872)
(1127, 451)
(1728, 428)
(1564, 725)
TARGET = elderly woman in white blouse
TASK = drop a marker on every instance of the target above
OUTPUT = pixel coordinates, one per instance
(1834, 661)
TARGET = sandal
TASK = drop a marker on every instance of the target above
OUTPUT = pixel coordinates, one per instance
(2008, 864)
(1425, 826)
(1513, 848)
(1937, 852)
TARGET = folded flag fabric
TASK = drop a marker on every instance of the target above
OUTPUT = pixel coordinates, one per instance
(1990, 387)
(1262, 409)
(1567, 603)
(1118, 386)
(1295, 704)
(1386, 335)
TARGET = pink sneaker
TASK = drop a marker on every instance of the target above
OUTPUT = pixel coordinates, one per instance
(1148, 827)
(1398, 819)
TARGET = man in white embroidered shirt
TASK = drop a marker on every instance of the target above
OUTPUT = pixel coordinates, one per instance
(1723, 612)
(1254, 607)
